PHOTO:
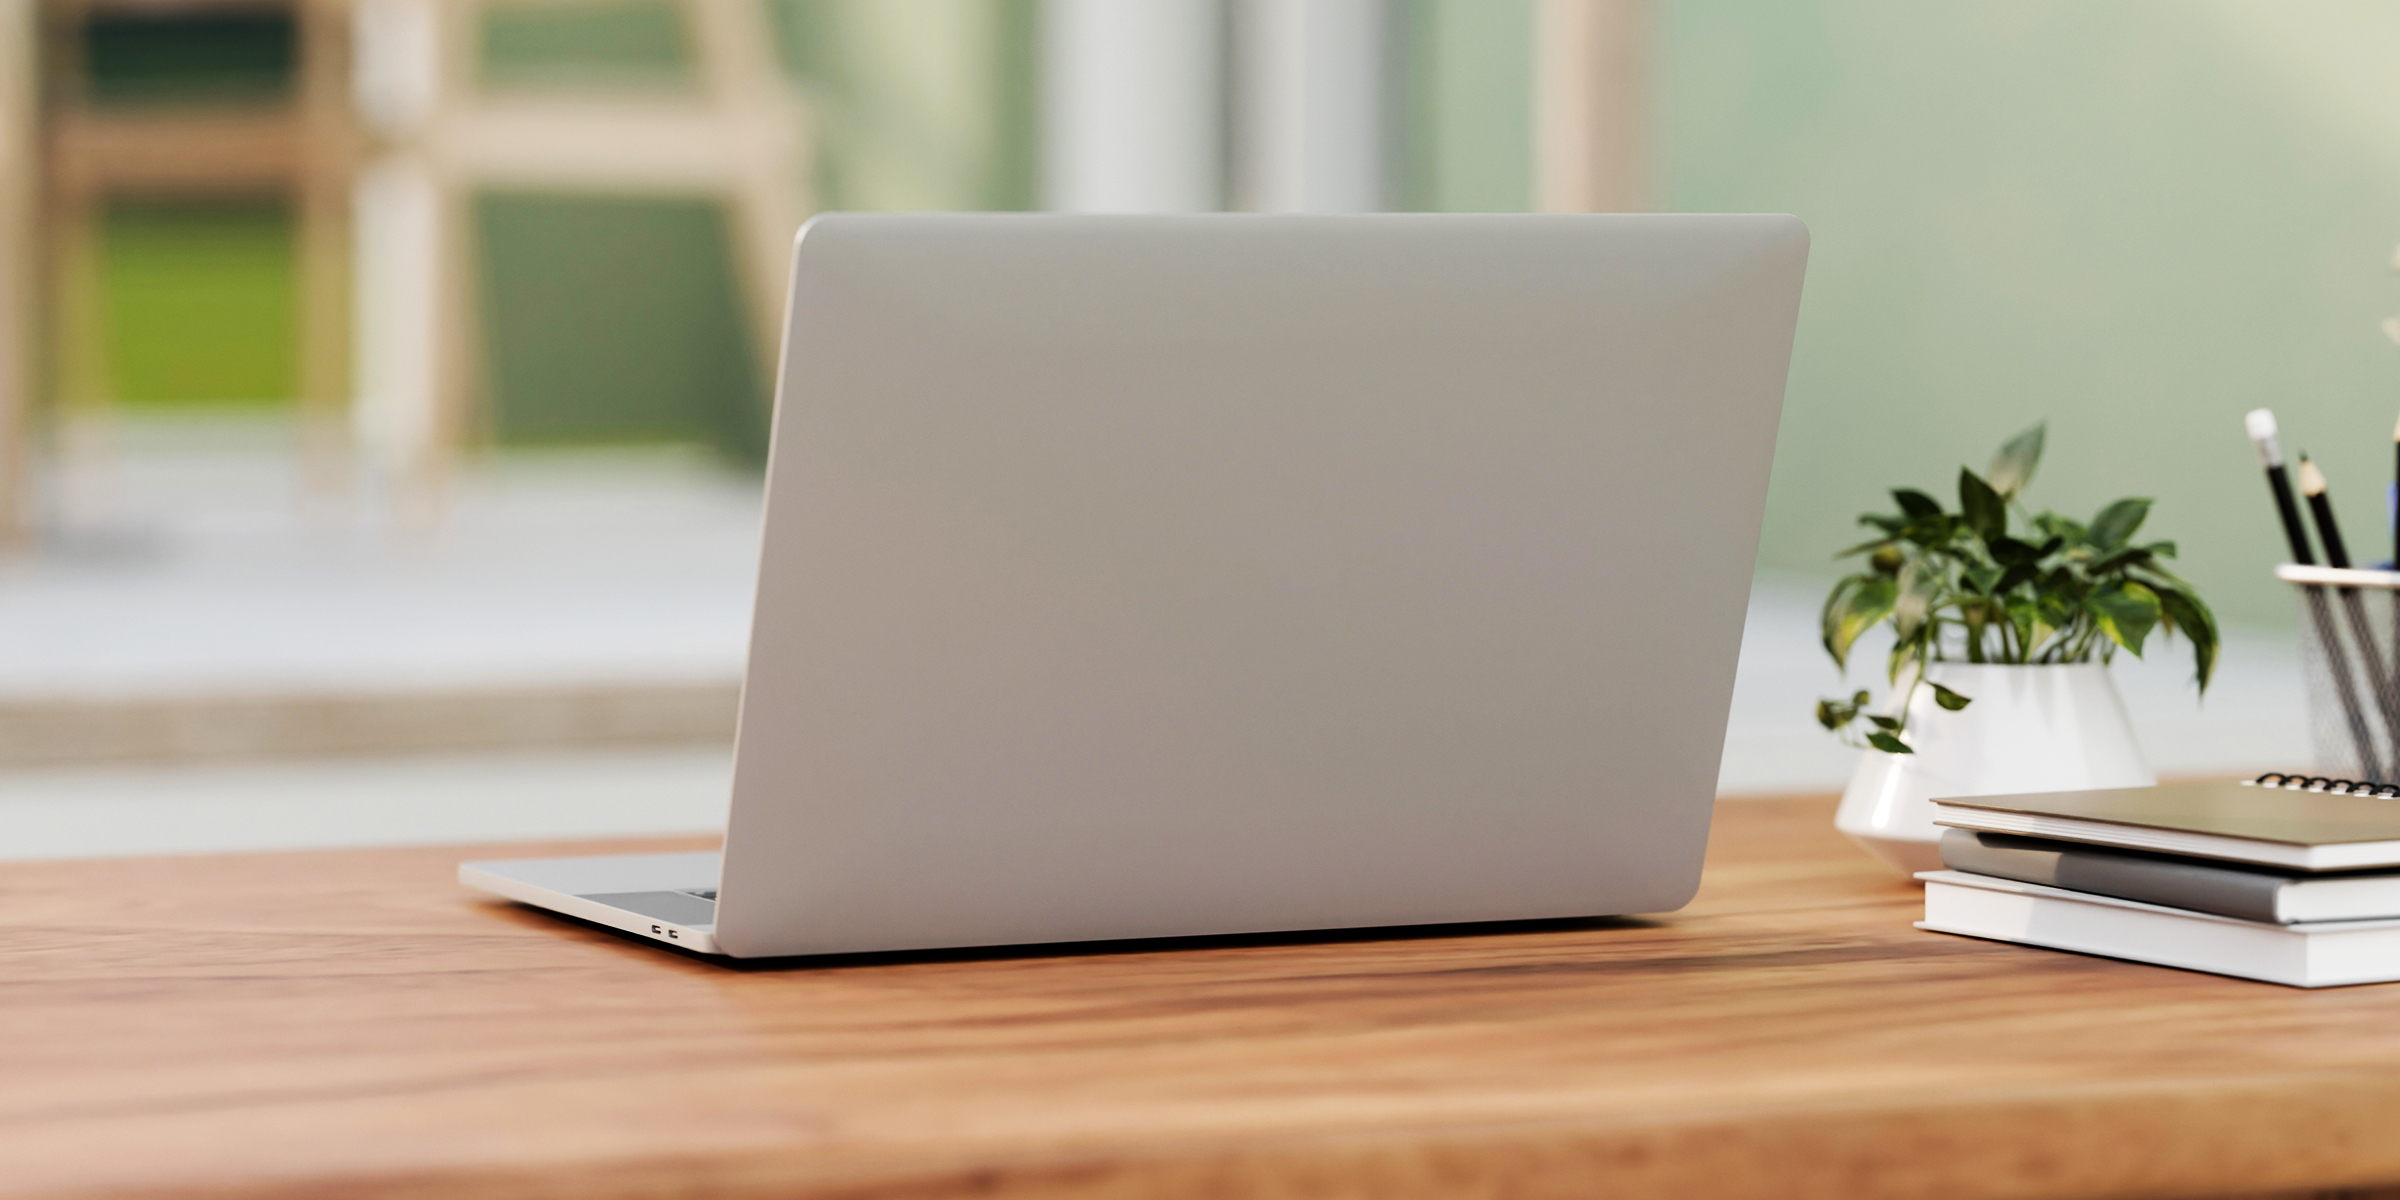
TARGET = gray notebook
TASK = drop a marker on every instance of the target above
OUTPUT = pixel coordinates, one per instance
(2280, 897)
(2236, 822)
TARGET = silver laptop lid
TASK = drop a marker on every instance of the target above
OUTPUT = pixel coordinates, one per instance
(1143, 576)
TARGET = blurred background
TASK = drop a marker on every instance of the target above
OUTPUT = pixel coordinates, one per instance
(384, 383)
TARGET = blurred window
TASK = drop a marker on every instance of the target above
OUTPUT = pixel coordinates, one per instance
(184, 57)
(199, 302)
(617, 319)
(919, 104)
(600, 43)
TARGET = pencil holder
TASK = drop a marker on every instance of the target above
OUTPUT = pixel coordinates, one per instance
(2350, 649)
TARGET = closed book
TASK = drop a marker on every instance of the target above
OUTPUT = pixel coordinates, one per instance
(2313, 954)
(2267, 826)
(2279, 897)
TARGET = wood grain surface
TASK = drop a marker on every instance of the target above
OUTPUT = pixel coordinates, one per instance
(354, 1024)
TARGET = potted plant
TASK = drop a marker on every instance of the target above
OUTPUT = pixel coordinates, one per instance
(2003, 624)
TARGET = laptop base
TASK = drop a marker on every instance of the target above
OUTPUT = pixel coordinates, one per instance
(668, 898)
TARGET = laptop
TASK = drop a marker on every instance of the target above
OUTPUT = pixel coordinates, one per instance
(1154, 576)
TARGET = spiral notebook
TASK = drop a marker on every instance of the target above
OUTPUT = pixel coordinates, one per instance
(2297, 822)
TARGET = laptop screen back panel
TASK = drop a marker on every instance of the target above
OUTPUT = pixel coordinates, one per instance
(1153, 576)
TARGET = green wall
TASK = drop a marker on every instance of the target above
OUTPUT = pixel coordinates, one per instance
(2137, 219)
(1467, 102)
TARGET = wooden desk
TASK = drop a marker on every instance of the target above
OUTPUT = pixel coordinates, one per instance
(353, 1024)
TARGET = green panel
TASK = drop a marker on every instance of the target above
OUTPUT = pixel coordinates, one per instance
(597, 42)
(806, 30)
(2136, 218)
(616, 319)
(921, 104)
(137, 56)
(1015, 166)
(199, 304)
(1468, 106)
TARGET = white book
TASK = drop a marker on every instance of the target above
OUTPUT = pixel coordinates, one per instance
(2306, 954)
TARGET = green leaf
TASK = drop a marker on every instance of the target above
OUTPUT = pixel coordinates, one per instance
(2155, 573)
(1948, 699)
(2016, 577)
(2131, 556)
(2056, 612)
(2008, 551)
(1886, 724)
(2116, 524)
(1907, 650)
(1931, 532)
(1888, 744)
(2066, 529)
(1833, 714)
(2198, 626)
(2013, 467)
(2033, 626)
(1914, 601)
(1916, 504)
(1985, 512)
(1865, 547)
(1856, 604)
(2125, 611)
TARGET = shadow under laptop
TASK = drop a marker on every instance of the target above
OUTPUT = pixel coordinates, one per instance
(1115, 948)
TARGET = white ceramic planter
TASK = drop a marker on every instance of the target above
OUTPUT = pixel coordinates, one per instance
(2030, 729)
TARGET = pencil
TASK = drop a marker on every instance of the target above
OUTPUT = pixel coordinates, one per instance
(2354, 605)
(2320, 506)
(2261, 424)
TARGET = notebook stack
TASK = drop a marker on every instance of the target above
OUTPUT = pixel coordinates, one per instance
(2286, 878)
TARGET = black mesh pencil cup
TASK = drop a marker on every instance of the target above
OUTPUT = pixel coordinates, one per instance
(2350, 649)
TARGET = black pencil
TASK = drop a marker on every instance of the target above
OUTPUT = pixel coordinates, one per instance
(2261, 423)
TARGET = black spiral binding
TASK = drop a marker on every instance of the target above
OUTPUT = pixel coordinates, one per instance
(2318, 783)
